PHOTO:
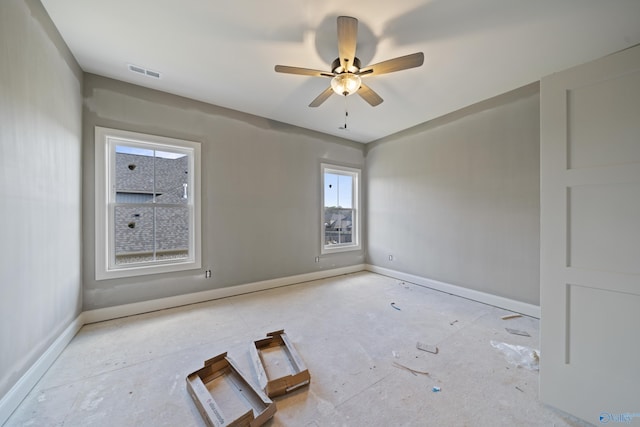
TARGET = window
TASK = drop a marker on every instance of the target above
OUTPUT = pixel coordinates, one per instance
(340, 210)
(147, 204)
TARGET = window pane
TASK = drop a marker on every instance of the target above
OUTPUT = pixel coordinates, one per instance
(345, 191)
(133, 228)
(134, 171)
(171, 177)
(338, 191)
(144, 234)
(338, 226)
(330, 189)
(172, 232)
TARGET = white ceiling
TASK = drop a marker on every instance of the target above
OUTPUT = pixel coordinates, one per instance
(224, 52)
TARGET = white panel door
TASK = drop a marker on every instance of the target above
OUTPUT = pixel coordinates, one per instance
(590, 240)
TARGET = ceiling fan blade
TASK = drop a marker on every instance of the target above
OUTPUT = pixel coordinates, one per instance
(396, 64)
(369, 95)
(347, 40)
(302, 71)
(322, 97)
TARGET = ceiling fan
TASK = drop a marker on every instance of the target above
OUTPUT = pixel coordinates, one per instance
(346, 71)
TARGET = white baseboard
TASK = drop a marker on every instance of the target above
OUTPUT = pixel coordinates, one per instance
(109, 313)
(483, 297)
(19, 391)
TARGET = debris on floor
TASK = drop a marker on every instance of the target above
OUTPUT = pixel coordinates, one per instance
(224, 396)
(519, 355)
(455, 321)
(406, 368)
(519, 389)
(427, 347)
(393, 304)
(511, 316)
(517, 332)
(279, 367)
(436, 389)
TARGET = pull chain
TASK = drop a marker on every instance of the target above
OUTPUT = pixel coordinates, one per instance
(346, 114)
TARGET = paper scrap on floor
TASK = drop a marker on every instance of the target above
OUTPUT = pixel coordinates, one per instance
(517, 332)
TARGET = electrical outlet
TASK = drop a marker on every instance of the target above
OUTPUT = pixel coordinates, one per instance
(207, 274)
(390, 257)
(317, 259)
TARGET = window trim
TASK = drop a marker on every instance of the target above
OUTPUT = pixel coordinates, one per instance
(104, 236)
(356, 174)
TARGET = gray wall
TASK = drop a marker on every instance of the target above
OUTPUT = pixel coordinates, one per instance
(457, 199)
(40, 188)
(260, 186)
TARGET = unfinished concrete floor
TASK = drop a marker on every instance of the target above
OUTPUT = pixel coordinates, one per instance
(131, 371)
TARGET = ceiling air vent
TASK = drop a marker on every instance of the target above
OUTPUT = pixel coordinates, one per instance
(144, 71)
(153, 74)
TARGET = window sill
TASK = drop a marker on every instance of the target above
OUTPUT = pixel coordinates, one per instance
(337, 249)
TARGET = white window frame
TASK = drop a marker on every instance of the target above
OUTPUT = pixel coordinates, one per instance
(105, 141)
(356, 243)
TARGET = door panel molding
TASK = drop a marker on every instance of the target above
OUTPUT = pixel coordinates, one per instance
(590, 237)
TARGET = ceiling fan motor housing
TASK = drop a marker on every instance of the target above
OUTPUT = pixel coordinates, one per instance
(336, 68)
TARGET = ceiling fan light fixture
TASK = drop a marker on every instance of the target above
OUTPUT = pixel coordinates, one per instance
(346, 84)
